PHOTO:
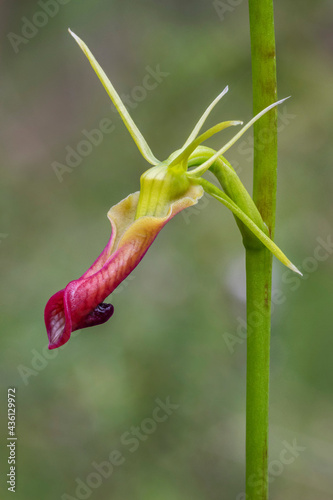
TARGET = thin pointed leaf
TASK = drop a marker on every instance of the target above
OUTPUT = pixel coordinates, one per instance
(130, 125)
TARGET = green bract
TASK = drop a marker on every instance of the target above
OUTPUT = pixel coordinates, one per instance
(171, 179)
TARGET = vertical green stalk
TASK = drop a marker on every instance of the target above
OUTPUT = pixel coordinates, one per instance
(259, 261)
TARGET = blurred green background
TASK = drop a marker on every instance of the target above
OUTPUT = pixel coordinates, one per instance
(177, 329)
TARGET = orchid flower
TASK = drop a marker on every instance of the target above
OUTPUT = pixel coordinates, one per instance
(166, 188)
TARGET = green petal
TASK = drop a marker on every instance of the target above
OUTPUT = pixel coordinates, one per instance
(130, 125)
(205, 166)
(226, 201)
(204, 117)
(185, 153)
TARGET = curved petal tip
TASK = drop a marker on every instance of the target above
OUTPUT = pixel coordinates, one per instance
(59, 318)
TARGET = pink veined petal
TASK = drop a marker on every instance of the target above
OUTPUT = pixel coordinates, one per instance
(81, 304)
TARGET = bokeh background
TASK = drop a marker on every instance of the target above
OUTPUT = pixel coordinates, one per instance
(177, 330)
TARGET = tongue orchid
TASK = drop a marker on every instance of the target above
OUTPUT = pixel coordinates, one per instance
(166, 188)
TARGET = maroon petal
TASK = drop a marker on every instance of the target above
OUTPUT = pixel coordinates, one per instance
(98, 316)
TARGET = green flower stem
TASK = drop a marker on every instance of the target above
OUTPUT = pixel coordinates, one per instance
(259, 262)
(258, 292)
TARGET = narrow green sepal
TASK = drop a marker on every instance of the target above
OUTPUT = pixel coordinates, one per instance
(129, 123)
(203, 118)
(183, 155)
(199, 171)
(252, 226)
